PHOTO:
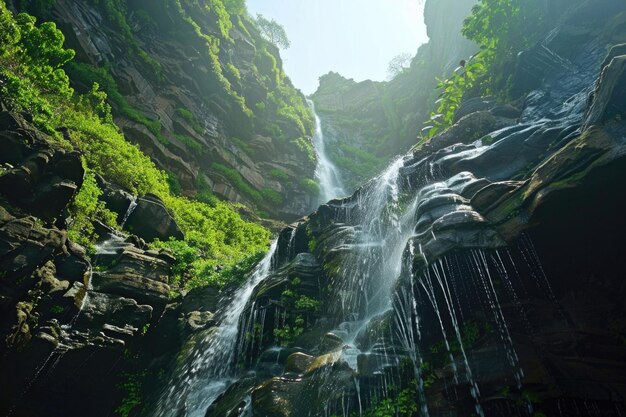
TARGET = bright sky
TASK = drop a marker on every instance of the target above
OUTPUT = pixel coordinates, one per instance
(356, 38)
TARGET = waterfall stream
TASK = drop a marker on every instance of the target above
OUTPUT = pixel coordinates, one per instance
(207, 369)
(326, 172)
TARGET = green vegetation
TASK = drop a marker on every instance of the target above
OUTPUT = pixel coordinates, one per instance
(33, 81)
(115, 11)
(132, 388)
(272, 196)
(87, 74)
(56, 309)
(305, 147)
(310, 186)
(85, 209)
(188, 116)
(241, 144)
(502, 28)
(190, 143)
(273, 31)
(302, 306)
(238, 182)
(278, 174)
(193, 269)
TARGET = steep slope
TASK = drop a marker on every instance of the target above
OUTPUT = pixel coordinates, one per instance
(371, 122)
(197, 87)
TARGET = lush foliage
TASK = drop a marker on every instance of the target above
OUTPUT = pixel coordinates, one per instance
(310, 186)
(87, 74)
(398, 403)
(300, 307)
(193, 270)
(273, 31)
(86, 208)
(502, 28)
(235, 178)
(453, 89)
(33, 81)
(132, 399)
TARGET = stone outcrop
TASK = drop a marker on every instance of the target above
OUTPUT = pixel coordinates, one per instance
(37, 176)
(150, 220)
(67, 315)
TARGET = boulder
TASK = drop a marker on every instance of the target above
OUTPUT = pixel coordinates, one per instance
(44, 177)
(150, 220)
(133, 286)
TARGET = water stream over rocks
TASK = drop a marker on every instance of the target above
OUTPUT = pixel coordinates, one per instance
(409, 288)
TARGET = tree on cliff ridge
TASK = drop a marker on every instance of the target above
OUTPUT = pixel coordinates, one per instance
(273, 31)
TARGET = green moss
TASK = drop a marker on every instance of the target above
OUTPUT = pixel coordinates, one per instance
(188, 116)
(241, 144)
(132, 399)
(310, 186)
(238, 182)
(85, 209)
(190, 143)
(88, 74)
(305, 146)
(272, 196)
(278, 174)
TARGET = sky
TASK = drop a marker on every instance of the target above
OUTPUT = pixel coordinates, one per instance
(356, 38)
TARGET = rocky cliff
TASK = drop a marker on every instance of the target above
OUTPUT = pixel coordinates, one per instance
(199, 89)
(371, 122)
(480, 274)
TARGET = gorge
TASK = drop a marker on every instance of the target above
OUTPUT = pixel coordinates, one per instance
(476, 273)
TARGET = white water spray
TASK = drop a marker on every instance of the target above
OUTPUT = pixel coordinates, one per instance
(207, 370)
(326, 172)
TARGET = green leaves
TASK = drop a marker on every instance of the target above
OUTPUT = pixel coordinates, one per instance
(502, 28)
(273, 31)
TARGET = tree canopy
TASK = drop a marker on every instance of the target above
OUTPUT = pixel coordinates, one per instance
(273, 31)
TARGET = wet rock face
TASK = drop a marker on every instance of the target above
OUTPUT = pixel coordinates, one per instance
(150, 220)
(609, 97)
(80, 327)
(66, 316)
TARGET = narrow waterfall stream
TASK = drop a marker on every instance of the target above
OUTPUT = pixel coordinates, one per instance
(326, 172)
(207, 369)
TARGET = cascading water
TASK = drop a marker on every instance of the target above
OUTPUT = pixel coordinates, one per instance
(115, 242)
(413, 272)
(207, 370)
(326, 172)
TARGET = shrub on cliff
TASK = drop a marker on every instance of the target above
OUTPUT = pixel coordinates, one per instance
(502, 28)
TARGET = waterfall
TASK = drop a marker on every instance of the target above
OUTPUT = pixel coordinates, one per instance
(207, 369)
(131, 207)
(116, 240)
(326, 172)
